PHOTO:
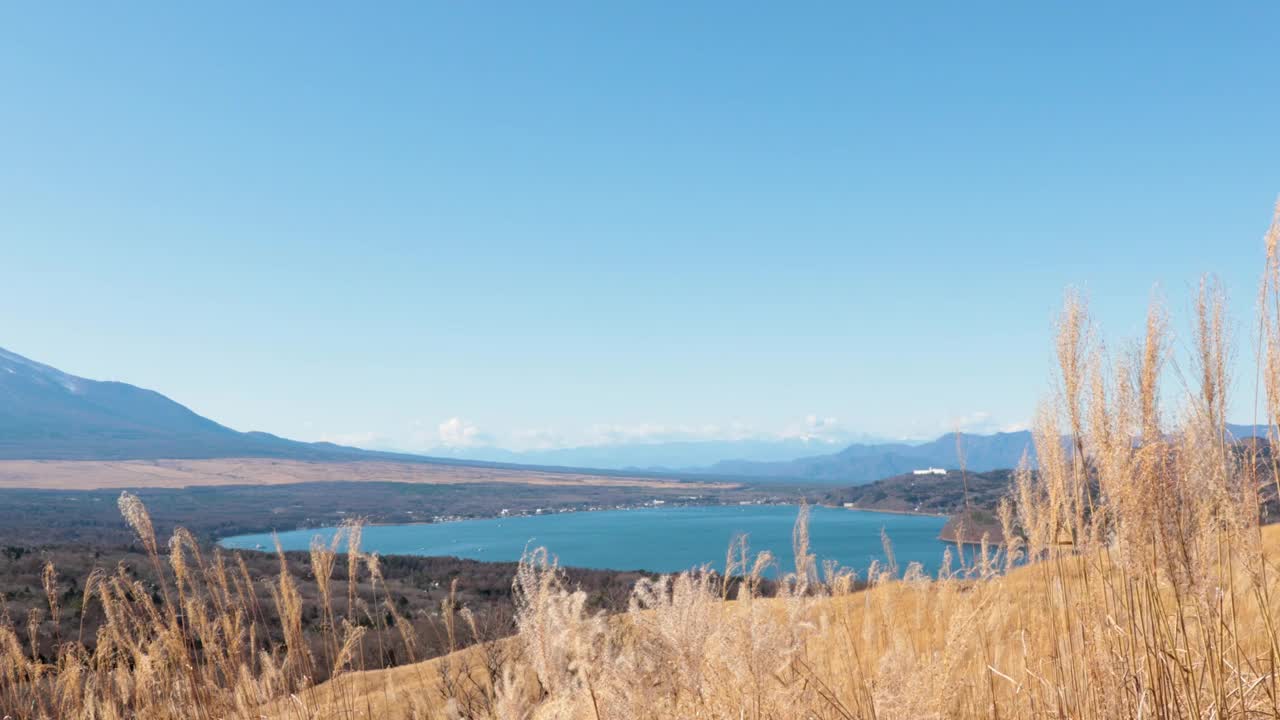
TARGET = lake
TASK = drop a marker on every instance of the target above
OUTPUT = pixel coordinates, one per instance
(655, 539)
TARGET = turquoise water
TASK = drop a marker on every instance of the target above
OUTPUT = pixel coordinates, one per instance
(658, 539)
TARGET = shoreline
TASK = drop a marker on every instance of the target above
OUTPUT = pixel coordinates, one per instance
(943, 536)
(917, 513)
(218, 541)
(946, 535)
(261, 542)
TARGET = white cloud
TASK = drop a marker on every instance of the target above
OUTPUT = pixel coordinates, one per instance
(811, 428)
(456, 432)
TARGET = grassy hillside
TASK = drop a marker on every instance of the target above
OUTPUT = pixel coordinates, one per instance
(908, 649)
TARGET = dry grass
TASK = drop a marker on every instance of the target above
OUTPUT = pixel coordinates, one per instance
(126, 474)
(1136, 581)
(904, 649)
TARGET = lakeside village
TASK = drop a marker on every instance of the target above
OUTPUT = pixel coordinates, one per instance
(682, 501)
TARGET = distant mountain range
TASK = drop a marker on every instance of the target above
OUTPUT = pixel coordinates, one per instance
(654, 456)
(46, 414)
(864, 463)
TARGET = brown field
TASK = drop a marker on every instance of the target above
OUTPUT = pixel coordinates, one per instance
(118, 474)
(906, 649)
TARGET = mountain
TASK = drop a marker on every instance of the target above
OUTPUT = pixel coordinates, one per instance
(46, 414)
(864, 463)
(868, 462)
(666, 455)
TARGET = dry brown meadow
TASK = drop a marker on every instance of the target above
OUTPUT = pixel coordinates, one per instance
(123, 474)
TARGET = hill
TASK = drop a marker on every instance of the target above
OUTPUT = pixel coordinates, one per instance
(932, 494)
(937, 495)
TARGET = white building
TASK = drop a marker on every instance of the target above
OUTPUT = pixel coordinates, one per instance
(929, 471)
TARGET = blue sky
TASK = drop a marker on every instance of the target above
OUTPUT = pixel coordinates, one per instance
(547, 224)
